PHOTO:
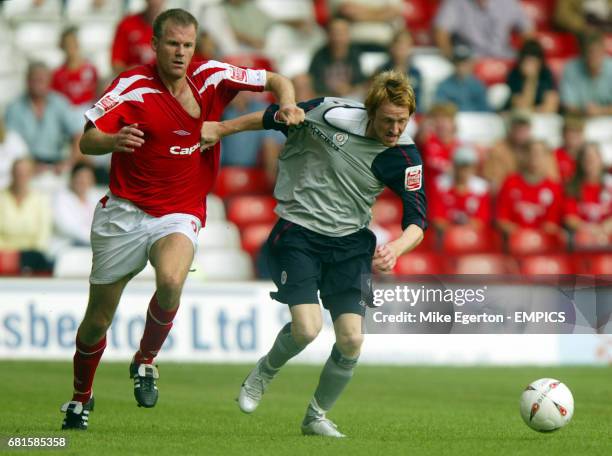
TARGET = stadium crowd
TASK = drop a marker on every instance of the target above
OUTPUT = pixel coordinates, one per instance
(514, 123)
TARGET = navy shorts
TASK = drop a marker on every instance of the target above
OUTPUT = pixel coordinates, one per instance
(303, 263)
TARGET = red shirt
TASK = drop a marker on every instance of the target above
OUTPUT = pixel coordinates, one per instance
(132, 42)
(437, 159)
(594, 204)
(459, 208)
(78, 85)
(530, 205)
(566, 163)
(168, 174)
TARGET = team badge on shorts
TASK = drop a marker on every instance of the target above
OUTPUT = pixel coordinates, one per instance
(414, 178)
(283, 277)
(340, 138)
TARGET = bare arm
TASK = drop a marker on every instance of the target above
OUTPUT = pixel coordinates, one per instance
(386, 256)
(280, 86)
(96, 142)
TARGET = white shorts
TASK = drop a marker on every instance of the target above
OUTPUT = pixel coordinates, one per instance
(122, 235)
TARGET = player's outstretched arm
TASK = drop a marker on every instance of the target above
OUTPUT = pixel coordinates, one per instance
(288, 112)
(212, 132)
(96, 142)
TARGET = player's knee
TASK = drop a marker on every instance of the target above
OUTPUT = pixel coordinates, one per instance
(93, 329)
(170, 283)
(349, 344)
(304, 333)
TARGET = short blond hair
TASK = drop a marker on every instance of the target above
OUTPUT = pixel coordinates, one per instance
(390, 86)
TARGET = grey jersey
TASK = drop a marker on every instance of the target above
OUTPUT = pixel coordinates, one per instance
(330, 173)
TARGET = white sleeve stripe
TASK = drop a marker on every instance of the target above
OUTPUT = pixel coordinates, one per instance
(124, 83)
(213, 80)
(208, 65)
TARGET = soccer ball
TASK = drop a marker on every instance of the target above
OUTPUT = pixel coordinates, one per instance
(547, 405)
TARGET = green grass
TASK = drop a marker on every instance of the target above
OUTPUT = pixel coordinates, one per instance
(386, 410)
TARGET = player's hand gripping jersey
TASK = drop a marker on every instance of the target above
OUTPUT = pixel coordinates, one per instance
(330, 173)
(168, 174)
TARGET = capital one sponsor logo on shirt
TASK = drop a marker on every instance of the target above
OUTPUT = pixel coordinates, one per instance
(238, 74)
(178, 150)
(108, 101)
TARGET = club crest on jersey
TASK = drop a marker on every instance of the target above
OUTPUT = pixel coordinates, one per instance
(413, 178)
(108, 101)
(238, 74)
(340, 138)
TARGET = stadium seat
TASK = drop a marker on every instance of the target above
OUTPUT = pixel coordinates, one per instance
(492, 71)
(558, 44)
(253, 236)
(434, 68)
(215, 209)
(30, 10)
(480, 127)
(224, 265)
(585, 240)
(10, 86)
(9, 262)
(387, 211)
(300, 9)
(371, 61)
(35, 36)
(547, 127)
(601, 264)
(252, 60)
(219, 235)
(245, 210)
(73, 263)
(608, 43)
(415, 263)
(95, 34)
(599, 129)
(527, 241)
(540, 12)
(235, 180)
(76, 10)
(485, 264)
(546, 264)
(462, 239)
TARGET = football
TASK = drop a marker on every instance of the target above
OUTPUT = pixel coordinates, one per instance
(547, 405)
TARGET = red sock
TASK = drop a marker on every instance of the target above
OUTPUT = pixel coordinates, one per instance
(85, 361)
(157, 327)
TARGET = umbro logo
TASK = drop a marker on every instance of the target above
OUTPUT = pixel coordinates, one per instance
(181, 132)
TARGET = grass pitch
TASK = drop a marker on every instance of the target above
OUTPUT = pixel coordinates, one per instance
(385, 410)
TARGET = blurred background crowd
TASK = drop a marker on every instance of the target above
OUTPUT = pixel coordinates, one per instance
(514, 124)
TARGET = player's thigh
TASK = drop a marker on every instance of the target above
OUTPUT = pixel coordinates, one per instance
(118, 241)
(306, 322)
(349, 336)
(172, 247)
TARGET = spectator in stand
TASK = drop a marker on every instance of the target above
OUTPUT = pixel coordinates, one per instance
(586, 86)
(589, 195)
(132, 42)
(573, 142)
(507, 155)
(73, 207)
(46, 121)
(529, 198)
(532, 84)
(461, 196)
(304, 91)
(579, 16)
(484, 25)
(438, 148)
(25, 216)
(371, 22)
(77, 78)
(400, 52)
(12, 147)
(335, 68)
(254, 148)
(462, 88)
(206, 48)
